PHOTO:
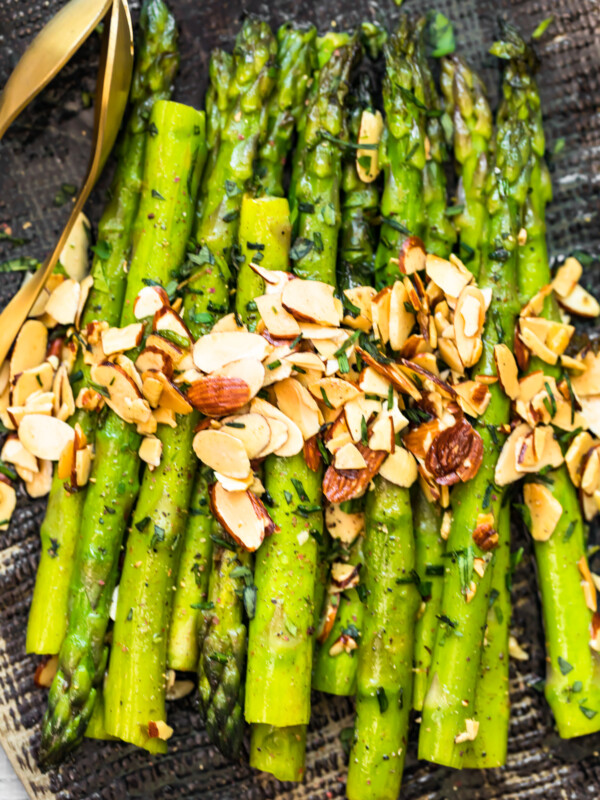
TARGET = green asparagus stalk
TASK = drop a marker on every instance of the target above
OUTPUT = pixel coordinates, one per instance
(572, 680)
(156, 64)
(296, 59)
(280, 645)
(492, 705)
(429, 565)
(174, 157)
(402, 151)
(191, 589)
(385, 655)
(135, 688)
(467, 105)
(337, 674)
(384, 681)
(457, 654)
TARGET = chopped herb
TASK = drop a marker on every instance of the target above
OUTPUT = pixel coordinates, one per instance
(274, 364)
(202, 318)
(397, 226)
(328, 214)
(203, 605)
(564, 666)
(176, 338)
(325, 398)
(249, 600)
(542, 27)
(222, 542)
(66, 191)
(152, 129)
(493, 433)
(434, 569)
(230, 216)
(306, 208)
(8, 471)
(577, 687)
(465, 560)
(494, 595)
(288, 497)
(306, 510)
(324, 452)
(454, 211)
(500, 254)
(235, 424)
(232, 189)
(346, 739)
(446, 620)
(343, 364)
(142, 524)
(487, 496)
(157, 195)
(129, 616)
(158, 536)
(570, 531)
(22, 264)
(365, 162)
(559, 146)
(440, 35)
(219, 657)
(587, 712)
(300, 248)
(75, 376)
(550, 401)
(382, 699)
(343, 143)
(318, 242)
(348, 343)
(54, 548)
(300, 490)
(102, 249)
(364, 433)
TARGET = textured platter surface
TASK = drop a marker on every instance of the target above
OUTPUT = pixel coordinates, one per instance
(48, 146)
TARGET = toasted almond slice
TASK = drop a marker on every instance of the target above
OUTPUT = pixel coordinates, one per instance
(155, 359)
(173, 351)
(358, 409)
(545, 511)
(215, 395)
(508, 372)
(334, 391)
(449, 353)
(30, 347)
(401, 321)
(589, 382)
(32, 380)
(567, 277)
(344, 576)
(372, 382)
(172, 397)
(306, 361)
(233, 485)
(511, 462)
(296, 403)
(118, 340)
(279, 322)
(411, 258)
(590, 408)
(63, 303)
(216, 350)
(400, 468)
(41, 481)
(393, 373)
(121, 389)
(341, 486)
(469, 318)
(574, 364)
(15, 453)
(149, 300)
(343, 525)
(574, 456)
(164, 416)
(312, 301)
(277, 367)
(470, 732)
(8, 503)
(4, 376)
(361, 297)
(228, 324)
(590, 477)
(349, 457)
(278, 436)
(159, 730)
(367, 160)
(168, 321)
(450, 277)
(580, 302)
(380, 313)
(382, 433)
(152, 387)
(151, 451)
(242, 515)
(473, 397)
(294, 442)
(250, 370)
(66, 460)
(82, 466)
(223, 453)
(89, 399)
(86, 286)
(64, 401)
(45, 437)
(328, 617)
(534, 307)
(252, 430)
(274, 279)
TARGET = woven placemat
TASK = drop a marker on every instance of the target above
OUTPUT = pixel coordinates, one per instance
(48, 146)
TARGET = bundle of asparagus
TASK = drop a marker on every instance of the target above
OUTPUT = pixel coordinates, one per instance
(320, 480)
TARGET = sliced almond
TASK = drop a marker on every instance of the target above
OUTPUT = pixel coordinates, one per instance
(152, 387)
(369, 133)
(274, 279)
(64, 401)
(215, 395)
(473, 397)
(372, 382)
(223, 453)
(8, 503)
(30, 347)
(153, 358)
(470, 732)
(545, 510)
(14, 452)
(294, 442)
(242, 515)
(228, 324)
(63, 302)
(168, 321)
(450, 277)
(343, 525)
(279, 322)
(361, 297)
(508, 372)
(400, 468)
(567, 277)
(122, 391)
(151, 451)
(359, 409)
(590, 476)
(469, 318)
(344, 576)
(159, 730)
(333, 391)
(511, 462)
(252, 430)
(89, 399)
(312, 301)
(173, 351)
(119, 340)
(393, 373)
(449, 353)
(544, 338)
(172, 397)
(277, 367)
(580, 302)
(40, 482)
(574, 456)
(328, 617)
(411, 258)
(401, 321)
(297, 403)
(32, 380)
(163, 416)
(82, 466)
(250, 370)
(338, 486)
(149, 300)
(45, 437)
(382, 433)
(349, 457)
(589, 382)
(215, 350)
(85, 288)
(587, 583)
(380, 313)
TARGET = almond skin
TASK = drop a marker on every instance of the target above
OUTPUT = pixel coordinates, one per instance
(455, 454)
(339, 486)
(485, 537)
(312, 454)
(219, 395)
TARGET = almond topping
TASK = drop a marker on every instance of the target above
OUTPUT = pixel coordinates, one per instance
(252, 430)
(450, 277)
(45, 437)
(8, 502)
(544, 509)
(313, 301)
(123, 393)
(333, 391)
(15, 453)
(328, 618)
(242, 515)
(589, 588)
(223, 453)
(343, 525)
(63, 303)
(361, 297)
(165, 319)
(215, 395)
(401, 321)
(469, 318)
(118, 340)
(508, 372)
(279, 322)
(580, 302)
(485, 535)
(159, 730)
(294, 442)
(338, 487)
(411, 258)
(153, 358)
(151, 451)
(296, 403)
(45, 672)
(250, 370)
(349, 457)
(30, 347)
(455, 454)
(344, 576)
(149, 300)
(215, 350)
(400, 468)
(40, 482)
(567, 277)
(173, 351)
(578, 448)
(30, 381)
(367, 160)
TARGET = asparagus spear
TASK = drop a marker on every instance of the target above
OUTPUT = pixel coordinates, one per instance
(280, 635)
(135, 689)
(468, 107)
(337, 674)
(456, 659)
(385, 657)
(296, 59)
(402, 152)
(156, 64)
(572, 665)
(174, 156)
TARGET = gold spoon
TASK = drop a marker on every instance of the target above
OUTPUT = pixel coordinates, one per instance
(47, 55)
(112, 90)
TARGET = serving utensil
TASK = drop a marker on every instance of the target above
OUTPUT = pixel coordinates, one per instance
(112, 90)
